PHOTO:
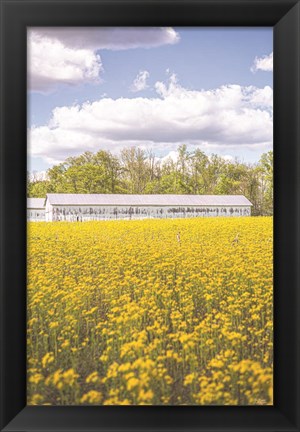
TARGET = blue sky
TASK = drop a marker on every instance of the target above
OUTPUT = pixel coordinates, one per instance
(207, 87)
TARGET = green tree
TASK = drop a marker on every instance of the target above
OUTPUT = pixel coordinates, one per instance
(266, 182)
(139, 171)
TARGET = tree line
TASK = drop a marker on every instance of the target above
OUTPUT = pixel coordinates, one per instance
(137, 171)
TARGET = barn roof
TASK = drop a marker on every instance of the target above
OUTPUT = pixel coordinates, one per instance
(148, 200)
(35, 203)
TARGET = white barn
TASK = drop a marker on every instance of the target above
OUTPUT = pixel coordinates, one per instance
(36, 209)
(87, 207)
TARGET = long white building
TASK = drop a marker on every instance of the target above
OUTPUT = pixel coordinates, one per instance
(87, 207)
(36, 209)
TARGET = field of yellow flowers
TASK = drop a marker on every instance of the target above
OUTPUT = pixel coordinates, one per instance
(160, 312)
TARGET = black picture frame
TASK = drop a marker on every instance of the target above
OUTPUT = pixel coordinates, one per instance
(16, 16)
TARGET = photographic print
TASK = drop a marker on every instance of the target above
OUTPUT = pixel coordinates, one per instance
(150, 216)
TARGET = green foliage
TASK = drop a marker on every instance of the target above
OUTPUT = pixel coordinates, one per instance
(140, 172)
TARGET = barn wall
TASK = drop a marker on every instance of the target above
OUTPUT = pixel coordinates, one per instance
(87, 213)
(48, 212)
(36, 215)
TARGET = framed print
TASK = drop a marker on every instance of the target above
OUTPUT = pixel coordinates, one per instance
(145, 267)
(145, 313)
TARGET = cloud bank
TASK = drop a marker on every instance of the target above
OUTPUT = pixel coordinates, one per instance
(70, 55)
(230, 116)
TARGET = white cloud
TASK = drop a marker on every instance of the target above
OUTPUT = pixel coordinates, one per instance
(264, 63)
(69, 55)
(227, 158)
(224, 118)
(113, 38)
(171, 156)
(262, 97)
(140, 82)
(172, 88)
(50, 63)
